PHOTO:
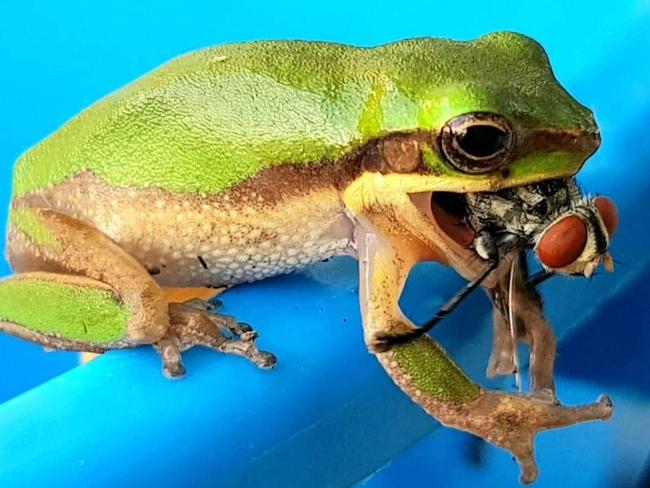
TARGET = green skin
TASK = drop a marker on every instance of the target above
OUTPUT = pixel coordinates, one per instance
(265, 141)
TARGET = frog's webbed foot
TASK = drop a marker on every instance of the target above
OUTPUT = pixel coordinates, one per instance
(213, 306)
(195, 324)
(512, 421)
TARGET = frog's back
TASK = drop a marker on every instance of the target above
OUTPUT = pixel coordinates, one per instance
(213, 118)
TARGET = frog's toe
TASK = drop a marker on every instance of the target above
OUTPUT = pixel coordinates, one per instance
(215, 304)
(240, 329)
(169, 350)
(174, 371)
(211, 305)
(265, 360)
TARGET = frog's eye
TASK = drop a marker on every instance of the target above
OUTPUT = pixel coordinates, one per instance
(477, 143)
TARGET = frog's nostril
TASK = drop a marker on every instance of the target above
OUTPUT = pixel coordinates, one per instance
(563, 242)
(608, 212)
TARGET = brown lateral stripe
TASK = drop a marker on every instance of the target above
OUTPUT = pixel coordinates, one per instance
(553, 140)
(273, 185)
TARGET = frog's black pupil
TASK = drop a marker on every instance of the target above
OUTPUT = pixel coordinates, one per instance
(481, 141)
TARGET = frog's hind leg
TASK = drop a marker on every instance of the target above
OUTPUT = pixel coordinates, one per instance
(82, 261)
(62, 312)
(195, 323)
(43, 240)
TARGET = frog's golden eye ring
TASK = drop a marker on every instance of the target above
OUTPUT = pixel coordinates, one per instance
(477, 143)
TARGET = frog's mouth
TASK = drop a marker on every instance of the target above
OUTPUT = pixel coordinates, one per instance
(449, 212)
(448, 215)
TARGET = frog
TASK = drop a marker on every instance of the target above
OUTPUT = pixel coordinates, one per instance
(239, 162)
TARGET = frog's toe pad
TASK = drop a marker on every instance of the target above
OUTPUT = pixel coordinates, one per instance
(266, 360)
(173, 371)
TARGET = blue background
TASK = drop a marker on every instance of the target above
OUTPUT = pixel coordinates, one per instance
(327, 415)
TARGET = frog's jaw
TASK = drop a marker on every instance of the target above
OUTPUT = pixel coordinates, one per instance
(528, 169)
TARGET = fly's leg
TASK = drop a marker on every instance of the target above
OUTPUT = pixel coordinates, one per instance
(502, 361)
(538, 333)
(530, 326)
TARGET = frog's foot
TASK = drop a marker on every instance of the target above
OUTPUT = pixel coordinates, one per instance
(213, 306)
(191, 325)
(512, 421)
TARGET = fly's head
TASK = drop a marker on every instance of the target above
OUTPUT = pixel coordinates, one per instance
(569, 232)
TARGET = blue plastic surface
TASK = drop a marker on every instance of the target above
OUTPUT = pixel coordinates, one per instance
(327, 416)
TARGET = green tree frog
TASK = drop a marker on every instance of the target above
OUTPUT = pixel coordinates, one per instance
(243, 161)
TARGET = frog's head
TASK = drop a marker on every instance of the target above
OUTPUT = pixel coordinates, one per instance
(491, 116)
(495, 114)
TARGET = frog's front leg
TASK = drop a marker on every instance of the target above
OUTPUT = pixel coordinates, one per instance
(77, 289)
(426, 373)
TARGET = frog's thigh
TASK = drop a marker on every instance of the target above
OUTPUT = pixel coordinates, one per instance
(62, 311)
(46, 240)
(422, 369)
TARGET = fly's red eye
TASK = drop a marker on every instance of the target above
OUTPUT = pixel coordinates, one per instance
(608, 212)
(563, 242)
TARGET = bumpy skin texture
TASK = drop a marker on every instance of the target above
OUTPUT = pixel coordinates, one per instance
(214, 118)
(244, 161)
